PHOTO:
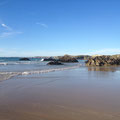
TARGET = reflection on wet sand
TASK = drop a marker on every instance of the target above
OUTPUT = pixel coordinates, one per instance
(112, 69)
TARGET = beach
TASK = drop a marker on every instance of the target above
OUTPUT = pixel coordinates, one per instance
(73, 94)
(60, 60)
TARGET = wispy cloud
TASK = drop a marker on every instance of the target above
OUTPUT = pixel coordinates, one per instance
(6, 27)
(8, 31)
(6, 34)
(1, 50)
(42, 24)
(106, 51)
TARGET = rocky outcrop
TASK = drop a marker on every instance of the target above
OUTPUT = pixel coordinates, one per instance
(54, 63)
(24, 59)
(67, 58)
(103, 61)
(82, 57)
(48, 59)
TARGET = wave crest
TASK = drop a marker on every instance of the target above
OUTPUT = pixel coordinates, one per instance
(8, 75)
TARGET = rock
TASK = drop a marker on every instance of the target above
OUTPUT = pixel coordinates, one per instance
(103, 61)
(82, 57)
(54, 63)
(24, 59)
(67, 58)
(48, 59)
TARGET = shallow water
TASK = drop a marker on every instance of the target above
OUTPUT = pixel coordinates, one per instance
(74, 94)
(10, 67)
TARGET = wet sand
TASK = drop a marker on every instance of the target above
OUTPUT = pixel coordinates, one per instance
(76, 94)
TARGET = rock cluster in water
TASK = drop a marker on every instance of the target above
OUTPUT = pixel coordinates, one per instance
(24, 59)
(103, 61)
(54, 63)
(49, 59)
(61, 60)
(67, 58)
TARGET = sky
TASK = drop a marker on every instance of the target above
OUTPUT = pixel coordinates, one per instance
(58, 27)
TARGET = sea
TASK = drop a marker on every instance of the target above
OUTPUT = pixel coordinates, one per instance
(12, 66)
(33, 90)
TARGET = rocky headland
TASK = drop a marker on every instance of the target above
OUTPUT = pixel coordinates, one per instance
(103, 60)
(82, 57)
(68, 58)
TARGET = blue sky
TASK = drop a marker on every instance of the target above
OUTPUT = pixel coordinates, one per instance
(58, 27)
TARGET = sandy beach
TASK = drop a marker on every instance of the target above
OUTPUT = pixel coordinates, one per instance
(76, 94)
(59, 59)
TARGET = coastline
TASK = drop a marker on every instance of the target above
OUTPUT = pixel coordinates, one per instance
(70, 94)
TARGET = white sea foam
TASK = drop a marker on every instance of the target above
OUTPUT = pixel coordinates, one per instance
(19, 62)
(49, 70)
(8, 75)
(3, 63)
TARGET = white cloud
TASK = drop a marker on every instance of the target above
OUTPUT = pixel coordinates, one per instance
(6, 27)
(6, 34)
(21, 53)
(1, 50)
(8, 31)
(42, 24)
(106, 51)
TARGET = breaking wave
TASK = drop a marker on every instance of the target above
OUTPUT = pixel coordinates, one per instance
(8, 75)
(18, 62)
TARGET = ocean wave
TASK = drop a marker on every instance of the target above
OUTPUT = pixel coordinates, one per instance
(20, 62)
(3, 63)
(8, 75)
(49, 70)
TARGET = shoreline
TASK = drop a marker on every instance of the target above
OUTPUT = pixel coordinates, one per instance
(70, 94)
(9, 75)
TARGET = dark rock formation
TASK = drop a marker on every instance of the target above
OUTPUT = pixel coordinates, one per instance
(54, 63)
(24, 59)
(48, 59)
(82, 57)
(103, 61)
(67, 58)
